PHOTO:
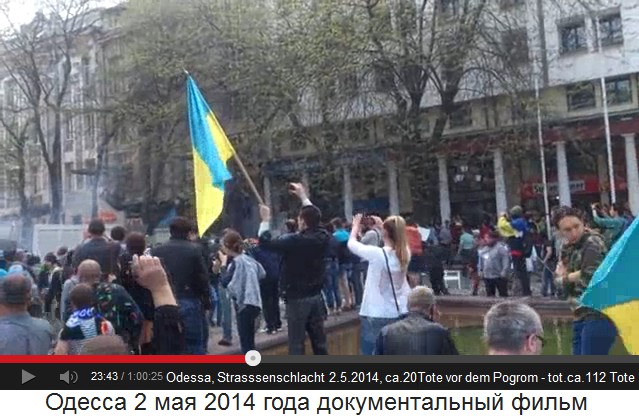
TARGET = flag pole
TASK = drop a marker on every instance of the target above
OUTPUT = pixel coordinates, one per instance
(604, 97)
(239, 163)
(542, 154)
(256, 193)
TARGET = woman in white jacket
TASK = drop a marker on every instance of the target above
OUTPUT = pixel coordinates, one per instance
(386, 289)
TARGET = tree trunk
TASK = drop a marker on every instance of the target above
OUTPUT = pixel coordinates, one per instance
(95, 182)
(56, 195)
(25, 208)
(55, 174)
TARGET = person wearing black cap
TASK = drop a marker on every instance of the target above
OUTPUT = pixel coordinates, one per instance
(21, 334)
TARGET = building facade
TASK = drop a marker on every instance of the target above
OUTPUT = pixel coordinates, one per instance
(491, 159)
(82, 128)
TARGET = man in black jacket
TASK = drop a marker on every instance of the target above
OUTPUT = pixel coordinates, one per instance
(97, 248)
(186, 267)
(416, 333)
(302, 275)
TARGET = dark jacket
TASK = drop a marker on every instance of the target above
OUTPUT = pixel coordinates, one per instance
(140, 295)
(55, 290)
(100, 250)
(185, 265)
(168, 331)
(413, 335)
(269, 260)
(303, 262)
(333, 249)
(434, 256)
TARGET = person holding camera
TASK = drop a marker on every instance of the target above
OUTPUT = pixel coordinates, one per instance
(303, 273)
(387, 288)
(612, 223)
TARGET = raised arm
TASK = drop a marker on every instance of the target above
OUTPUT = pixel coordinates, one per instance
(367, 252)
(607, 222)
(280, 244)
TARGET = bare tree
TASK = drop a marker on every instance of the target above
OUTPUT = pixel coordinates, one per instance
(15, 158)
(38, 58)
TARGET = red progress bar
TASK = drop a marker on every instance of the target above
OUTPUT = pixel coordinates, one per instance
(235, 359)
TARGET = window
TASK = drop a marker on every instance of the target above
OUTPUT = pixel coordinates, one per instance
(68, 176)
(384, 79)
(391, 128)
(68, 131)
(462, 116)
(580, 96)
(349, 83)
(86, 71)
(276, 146)
(79, 180)
(326, 89)
(449, 7)
(89, 167)
(10, 95)
(3, 188)
(522, 110)
(573, 37)
(357, 132)
(34, 179)
(619, 91)
(515, 45)
(89, 125)
(610, 30)
(424, 124)
(299, 140)
(510, 4)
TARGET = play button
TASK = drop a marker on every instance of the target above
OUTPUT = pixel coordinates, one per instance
(26, 376)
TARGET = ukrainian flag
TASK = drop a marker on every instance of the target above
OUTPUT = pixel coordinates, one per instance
(614, 289)
(211, 152)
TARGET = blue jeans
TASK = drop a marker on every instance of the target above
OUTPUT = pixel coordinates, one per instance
(214, 305)
(218, 307)
(331, 286)
(196, 326)
(227, 320)
(369, 329)
(593, 337)
(548, 287)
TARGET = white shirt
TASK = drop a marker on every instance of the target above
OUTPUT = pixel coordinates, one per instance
(424, 233)
(378, 300)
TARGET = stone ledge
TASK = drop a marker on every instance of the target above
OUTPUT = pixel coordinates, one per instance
(539, 303)
(458, 305)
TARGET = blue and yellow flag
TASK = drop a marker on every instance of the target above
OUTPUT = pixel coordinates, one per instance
(211, 152)
(614, 289)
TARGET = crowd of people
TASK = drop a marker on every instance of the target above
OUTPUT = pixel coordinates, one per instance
(117, 295)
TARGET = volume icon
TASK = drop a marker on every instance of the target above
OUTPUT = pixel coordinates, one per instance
(69, 377)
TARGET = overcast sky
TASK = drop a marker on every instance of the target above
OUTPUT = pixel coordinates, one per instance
(22, 11)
